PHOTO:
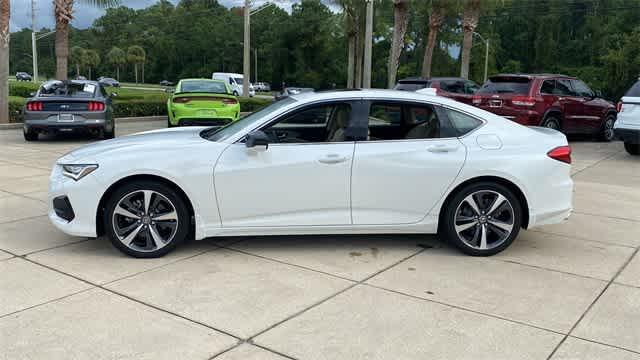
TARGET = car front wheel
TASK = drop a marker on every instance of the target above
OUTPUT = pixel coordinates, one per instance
(482, 219)
(146, 219)
(606, 133)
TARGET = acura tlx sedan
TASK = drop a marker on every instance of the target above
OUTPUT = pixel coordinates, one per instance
(341, 162)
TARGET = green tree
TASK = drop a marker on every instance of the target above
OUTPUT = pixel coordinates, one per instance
(92, 60)
(5, 13)
(117, 57)
(136, 56)
(78, 57)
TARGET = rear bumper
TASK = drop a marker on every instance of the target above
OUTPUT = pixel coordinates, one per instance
(51, 124)
(631, 136)
(523, 117)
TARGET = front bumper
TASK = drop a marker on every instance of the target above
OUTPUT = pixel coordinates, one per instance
(630, 136)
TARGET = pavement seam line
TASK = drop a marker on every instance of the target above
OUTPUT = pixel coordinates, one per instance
(575, 325)
(595, 163)
(605, 344)
(583, 239)
(607, 216)
(47, 302)
(547, 269)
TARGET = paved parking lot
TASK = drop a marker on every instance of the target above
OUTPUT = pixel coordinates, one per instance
(569, 291)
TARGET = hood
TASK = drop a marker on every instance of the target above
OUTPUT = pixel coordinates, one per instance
(162, 139)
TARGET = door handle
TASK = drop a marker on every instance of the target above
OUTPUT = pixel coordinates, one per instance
(442, 148)
(332, 159)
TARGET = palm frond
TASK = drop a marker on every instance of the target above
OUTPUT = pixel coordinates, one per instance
(102, 3)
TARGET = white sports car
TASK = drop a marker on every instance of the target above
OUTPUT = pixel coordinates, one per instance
(361, 161)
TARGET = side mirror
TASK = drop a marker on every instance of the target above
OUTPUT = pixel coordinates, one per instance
(598, 93)
(114, 94)
(32, 94)
(257, 138)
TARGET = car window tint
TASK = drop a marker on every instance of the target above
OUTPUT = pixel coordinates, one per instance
(385, 114)
(423, 123)
(470, 87)
(563, 87)
(506, 85)
(581, 88)
(634, 91)
(318, 123)
(547, 87)
(398, 121)
(411, 86)
(462, 122)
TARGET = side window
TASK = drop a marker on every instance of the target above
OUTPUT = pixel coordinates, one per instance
(396, 121)
(547, 87)
(462, 122)
(470, 87)
(563, 87)
(321, 123)
(581, 88)
(231, 81)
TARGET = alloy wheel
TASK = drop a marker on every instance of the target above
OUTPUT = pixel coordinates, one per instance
(608, 129)
(484, 220)
(145, 220)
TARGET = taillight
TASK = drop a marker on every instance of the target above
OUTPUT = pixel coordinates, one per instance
(561, 153)
(35, 106)
(523, 101)
(619, 106)
(96, 106)
(229, 101)
(476, 99)
(181, 100)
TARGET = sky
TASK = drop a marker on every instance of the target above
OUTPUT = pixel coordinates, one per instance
(84, 14)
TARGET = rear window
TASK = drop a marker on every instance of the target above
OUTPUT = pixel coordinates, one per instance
(634, 91)
(411, 86)
(506, 85)
(68, 89)
(204, 86)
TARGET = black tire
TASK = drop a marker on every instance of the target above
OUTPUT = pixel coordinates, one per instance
(109, 134)
(449, 215)
(552, 122)
(235, 93)
(606, 133)
(632, 149)
(30, 135)
(182, 224)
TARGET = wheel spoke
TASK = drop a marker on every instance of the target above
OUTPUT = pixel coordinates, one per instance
(157, 239)
(501, 225)
(483, 237)
(463, 227)
(472, 203)
(172, 215)
(147, 200)
(124, 212)
(132, 235)
(497, 203)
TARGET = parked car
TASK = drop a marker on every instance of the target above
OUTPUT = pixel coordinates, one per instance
(69, 106)
(105, 81)
(80, 77)
(234, 82)
(166, 83)
(292, 91)
(262, 86)
(452, 87)
(321, 163)
(202, 102)
(558, 102)
(627, 127)
(23, 76)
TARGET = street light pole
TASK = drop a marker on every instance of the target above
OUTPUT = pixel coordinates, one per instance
(34, 49)
(368, 39)
(246, 69)
(486, 54)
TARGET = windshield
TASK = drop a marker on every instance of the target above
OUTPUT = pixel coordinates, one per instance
(411, 86)
(505, 85)
(203, 86)
(634, 91)
(68, 89)
(238, 80)
(220, 134)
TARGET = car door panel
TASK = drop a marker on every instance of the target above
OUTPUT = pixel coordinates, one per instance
(284, 185)
(398, 182)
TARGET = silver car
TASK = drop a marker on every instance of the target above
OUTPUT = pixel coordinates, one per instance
(69, 106)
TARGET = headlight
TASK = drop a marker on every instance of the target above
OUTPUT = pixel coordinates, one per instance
(78, 171)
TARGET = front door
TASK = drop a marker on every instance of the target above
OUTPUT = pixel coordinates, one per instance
(405, 166)
(301, 179)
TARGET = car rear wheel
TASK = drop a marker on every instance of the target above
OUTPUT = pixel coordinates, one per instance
(146, 219)
(482, 219)
(552, 122)
(30, 135)
(632, 149)
(109, 134)
(606, 133)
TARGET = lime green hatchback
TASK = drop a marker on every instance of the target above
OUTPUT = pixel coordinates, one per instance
(202, 102)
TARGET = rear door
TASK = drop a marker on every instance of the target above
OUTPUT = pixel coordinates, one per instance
(630, 109)
(591, 111)
(406, 164)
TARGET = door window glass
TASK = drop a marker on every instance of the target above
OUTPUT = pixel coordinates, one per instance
(548, 87)
(470, 87)
(320, 123)
(462, 122)
(563, 87)
(581, 88)
(395, 121)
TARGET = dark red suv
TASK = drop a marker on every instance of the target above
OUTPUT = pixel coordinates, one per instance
(452, 87)
(555, 101)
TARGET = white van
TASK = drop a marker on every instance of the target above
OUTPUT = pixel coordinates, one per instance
(234, 81)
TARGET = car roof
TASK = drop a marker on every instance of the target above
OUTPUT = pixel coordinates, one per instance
(418, 79)
(383, 94)
(202, 79)
(532, 76)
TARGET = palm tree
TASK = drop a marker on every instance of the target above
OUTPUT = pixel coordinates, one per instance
(5, 13)
(470, 18)
(93, 60)
(400, 23)
(436, 18)
(117, 57)
(135, 56)
(63, 10)
(352, 14)
(78, 58)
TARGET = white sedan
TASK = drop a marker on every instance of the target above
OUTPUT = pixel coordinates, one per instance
(341, 162)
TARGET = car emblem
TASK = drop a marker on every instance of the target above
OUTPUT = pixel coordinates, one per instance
(64, 107)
